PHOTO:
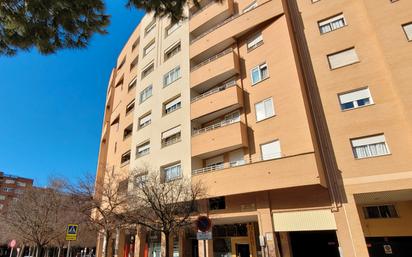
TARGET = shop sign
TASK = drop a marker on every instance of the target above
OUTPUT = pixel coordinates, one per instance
(387, 249)
(204, 235)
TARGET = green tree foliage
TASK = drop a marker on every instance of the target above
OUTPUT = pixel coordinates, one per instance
(49, 25)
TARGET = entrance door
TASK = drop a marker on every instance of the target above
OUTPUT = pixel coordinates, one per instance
(242, 250)
(314, 243)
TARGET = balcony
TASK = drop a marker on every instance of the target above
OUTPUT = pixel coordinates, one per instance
(219, 138)
(214, 70)
(258, 175)
(225, 98)
(211, 14)
(222, 35)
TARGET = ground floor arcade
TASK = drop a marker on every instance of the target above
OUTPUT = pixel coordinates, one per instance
(374, 220)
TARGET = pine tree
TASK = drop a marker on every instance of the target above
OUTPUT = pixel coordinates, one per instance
(49, 25)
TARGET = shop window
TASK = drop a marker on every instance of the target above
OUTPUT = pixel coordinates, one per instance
(217, 203)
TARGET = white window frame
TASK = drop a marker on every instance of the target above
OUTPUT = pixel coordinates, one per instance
(172, 28)
(171, 136)
(263, 102)
(250, 7)
(172, 50)
(172, 105)
(149, 47)
(354, 59)
(354, 97)
(132, 84)
(144, 94)
(149, 27)
(332, 23)
(259, 68)
(2, 197)
(255, 41)
(407, 29)
(171, 76)
(143, 149)
(147, 70)
(275, 155)
(21, 184)
(145, 120)
(169, 178)
(367, 143)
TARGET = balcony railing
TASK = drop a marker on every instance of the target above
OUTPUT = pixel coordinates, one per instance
(215, 27)
(237, 163)
(211, 59)
(215, 126)
(215, 90)
(172, 141)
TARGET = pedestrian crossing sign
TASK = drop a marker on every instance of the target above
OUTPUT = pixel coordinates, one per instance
(71, 232)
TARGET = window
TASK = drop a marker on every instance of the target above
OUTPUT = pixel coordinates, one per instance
(134, 62)
(130, 107)
(120, 82)
(355, 99)
(172, 105)
(314, 1)
(369, 146)
(343, 58)
(122, 188)
(172, 172)
(380, 211)
(132, 84)
(171, 136)
(172, 28)
(259, 73)
(140, 180)
(172, 51)
(407, 28)
(143, 149)
(331, 24)
(120, 65)
(171, 76)
(175, 246)
(255, 41)
(215, 163)
(145, 120)
(2, 197)
(217, 203)
(150, 26)
(271, 150)
(7, 189)
(21, 184)
(149, 47)
(9, 181)
(128, 131)
(250, 7)
(146, 93)
(147, 70)
(264, 109)
(125, 158)
(136, 43)
(116, 122)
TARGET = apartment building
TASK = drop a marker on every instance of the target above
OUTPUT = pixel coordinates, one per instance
(11, 187)
(294, 114)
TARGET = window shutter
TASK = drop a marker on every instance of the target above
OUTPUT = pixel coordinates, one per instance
(145, 119)
(343, 58)
(368, 140)
(355, 95)
(271, 150)
(171, 132)
(173, 102)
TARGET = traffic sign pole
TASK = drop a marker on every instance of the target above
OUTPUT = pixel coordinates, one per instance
(68, 249)
(204, 248)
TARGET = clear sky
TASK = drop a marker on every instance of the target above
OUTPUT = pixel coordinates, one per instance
(51, 107)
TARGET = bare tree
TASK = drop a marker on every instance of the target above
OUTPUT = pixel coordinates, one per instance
(161, 206)
(101, 202)
(37, 216)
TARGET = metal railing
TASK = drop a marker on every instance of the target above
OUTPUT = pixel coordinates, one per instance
(171, 141)
(211, 59)
(215, 90)
(238, 163)
(215, 126)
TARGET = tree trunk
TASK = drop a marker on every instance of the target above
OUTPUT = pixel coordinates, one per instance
(167, 244)
(105, 247)
(59, 251)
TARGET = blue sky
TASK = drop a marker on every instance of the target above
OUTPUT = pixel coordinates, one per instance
(51, 107)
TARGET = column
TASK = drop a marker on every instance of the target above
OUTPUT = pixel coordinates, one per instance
(116, 243)
(285, 244)
(266, 225)
(349, 230)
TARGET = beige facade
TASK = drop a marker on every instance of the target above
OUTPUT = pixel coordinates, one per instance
(296, 115)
